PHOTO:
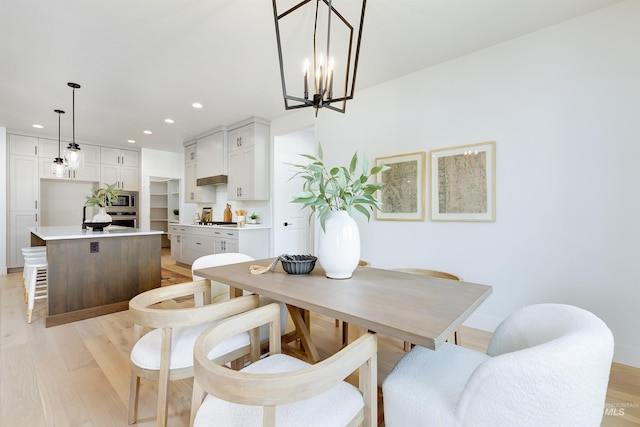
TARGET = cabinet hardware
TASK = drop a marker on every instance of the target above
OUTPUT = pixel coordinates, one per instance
(286, 224)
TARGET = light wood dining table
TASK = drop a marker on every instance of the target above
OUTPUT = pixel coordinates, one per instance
(419, 309)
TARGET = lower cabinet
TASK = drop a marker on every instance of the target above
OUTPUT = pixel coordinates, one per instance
(189, 243)
(225, 241)
(194, 246)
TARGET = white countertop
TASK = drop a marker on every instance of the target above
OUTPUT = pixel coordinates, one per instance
(226, 227)
(73, 232)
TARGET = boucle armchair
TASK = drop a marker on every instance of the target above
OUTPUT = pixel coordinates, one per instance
(546, 365)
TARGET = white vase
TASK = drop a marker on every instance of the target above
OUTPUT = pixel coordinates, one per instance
(339, 245)
(101, 216)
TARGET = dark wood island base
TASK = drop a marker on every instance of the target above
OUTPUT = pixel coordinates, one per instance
(83, 283)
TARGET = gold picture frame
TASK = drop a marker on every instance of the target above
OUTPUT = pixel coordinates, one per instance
(463, 183)
(206, 214)
(403, 196)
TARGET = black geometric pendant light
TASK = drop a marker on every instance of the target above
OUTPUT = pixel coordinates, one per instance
(328, 79)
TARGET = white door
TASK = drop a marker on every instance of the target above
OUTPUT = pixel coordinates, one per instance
(292, 231)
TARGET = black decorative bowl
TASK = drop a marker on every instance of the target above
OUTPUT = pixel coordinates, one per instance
(298, 264)
(97, 226)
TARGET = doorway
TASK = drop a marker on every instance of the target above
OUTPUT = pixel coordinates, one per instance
(292, 232)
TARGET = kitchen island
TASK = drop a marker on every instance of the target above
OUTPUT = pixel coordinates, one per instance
(92, 273)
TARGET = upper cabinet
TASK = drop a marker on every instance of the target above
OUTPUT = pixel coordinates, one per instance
(48, 150)
(23, 145)
(193, 193)
(248, 145)
(120, 166)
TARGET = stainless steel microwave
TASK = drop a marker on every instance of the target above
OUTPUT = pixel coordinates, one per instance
(126, 199)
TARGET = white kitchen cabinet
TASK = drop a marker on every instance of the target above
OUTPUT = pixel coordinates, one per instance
(193, 193)
(191, 152)
(19, 235)
(116, 156)
(23, 183)
(248, 148)
(175, 235)
(120, 166)
(23, 145)
(48, 151)
(190, 242)
(24, 196)
(126, 176)
(225, 241)
(211, 154)
(196, 245)
(90, 172)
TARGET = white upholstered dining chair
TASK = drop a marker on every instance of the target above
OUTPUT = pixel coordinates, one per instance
(279, 389)
(165, 352)
(546, 365)
(220, 291)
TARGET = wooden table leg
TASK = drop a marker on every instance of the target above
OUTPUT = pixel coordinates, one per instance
(301, 322)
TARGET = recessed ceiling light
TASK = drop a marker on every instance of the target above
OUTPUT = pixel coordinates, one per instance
(169, 121)
(131, 141)
(38, 126)
(196, 105)
(148, 132)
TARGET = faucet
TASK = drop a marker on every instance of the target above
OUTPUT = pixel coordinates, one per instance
(84, 217)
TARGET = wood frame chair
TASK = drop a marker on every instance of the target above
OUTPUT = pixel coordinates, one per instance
(278, 379)
(430, 273)
(173, 332)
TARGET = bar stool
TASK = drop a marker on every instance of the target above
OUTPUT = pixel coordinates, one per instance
(35, 278)
(31, 254)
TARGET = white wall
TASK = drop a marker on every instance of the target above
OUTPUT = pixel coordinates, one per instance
(4, 236)
(62, 202)
(562, 105)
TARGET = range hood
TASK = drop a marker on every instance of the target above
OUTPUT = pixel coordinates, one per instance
(212, 180)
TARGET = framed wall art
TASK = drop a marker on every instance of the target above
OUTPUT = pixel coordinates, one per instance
(463, 183)
(206, 215)
(403, 195)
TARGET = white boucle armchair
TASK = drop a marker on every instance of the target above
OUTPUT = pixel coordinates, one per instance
(546, 365)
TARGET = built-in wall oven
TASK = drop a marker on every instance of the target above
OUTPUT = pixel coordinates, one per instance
(124, 212)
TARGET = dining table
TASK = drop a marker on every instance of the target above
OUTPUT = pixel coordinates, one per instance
(419, 309)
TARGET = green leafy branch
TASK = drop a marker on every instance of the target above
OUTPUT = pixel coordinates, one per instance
(338, 188)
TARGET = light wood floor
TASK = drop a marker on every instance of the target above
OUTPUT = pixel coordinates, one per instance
(78, 374)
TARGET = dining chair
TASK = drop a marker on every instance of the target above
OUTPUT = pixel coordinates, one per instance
(279, 389)
(165, 352)
(430, 273)
(220, 291)
(546, 365)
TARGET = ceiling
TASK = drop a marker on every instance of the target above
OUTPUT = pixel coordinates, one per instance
(141, 61)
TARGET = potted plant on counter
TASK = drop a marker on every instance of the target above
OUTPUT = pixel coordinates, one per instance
(254, 218)
(334, 193)
(101, 197)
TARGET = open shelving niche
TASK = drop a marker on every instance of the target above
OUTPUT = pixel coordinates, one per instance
(164, 197)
